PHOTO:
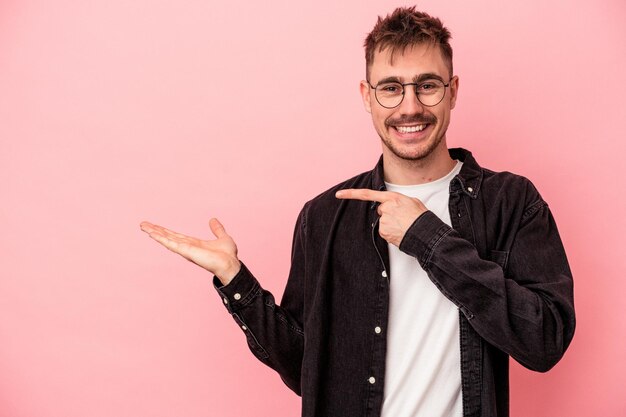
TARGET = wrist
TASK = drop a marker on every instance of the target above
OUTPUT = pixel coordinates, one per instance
(227, 274)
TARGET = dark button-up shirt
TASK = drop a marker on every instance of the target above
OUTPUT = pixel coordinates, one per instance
(501, 263)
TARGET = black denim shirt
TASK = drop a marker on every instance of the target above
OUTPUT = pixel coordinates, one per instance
(502, 263)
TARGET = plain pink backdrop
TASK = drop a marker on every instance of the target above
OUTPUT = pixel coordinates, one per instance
(113, 112)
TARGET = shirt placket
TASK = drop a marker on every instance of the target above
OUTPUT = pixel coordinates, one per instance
(378, 327)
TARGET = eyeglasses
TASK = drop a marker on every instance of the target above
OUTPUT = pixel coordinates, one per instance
(429, 92)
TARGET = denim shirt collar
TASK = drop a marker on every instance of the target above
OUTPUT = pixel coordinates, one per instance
(467, 181)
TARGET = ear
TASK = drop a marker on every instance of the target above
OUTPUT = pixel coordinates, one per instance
(366, 96)
(454, 89)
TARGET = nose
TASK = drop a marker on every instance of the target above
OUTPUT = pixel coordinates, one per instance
(410, 104)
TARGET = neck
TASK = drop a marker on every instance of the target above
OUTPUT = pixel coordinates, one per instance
(414, 172)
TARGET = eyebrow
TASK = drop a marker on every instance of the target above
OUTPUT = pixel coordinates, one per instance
(416, 79)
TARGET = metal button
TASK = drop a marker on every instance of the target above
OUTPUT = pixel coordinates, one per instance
(384, 274)
(225, 300)
(378, 330)
(470, 189)
(237, 296)
(372, 380)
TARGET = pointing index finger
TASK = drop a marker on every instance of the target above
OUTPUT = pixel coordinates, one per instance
(363, 194)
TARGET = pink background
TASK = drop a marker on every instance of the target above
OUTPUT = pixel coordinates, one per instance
(113, 112)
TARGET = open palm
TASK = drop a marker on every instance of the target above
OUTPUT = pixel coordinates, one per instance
(218, 256)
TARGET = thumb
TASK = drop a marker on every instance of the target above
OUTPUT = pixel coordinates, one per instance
(217, 228)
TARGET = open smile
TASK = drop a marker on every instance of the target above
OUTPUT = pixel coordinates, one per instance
(416, 131)
(410, 129)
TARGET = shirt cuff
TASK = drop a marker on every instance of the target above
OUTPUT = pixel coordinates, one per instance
(240, 291)
(423, 236)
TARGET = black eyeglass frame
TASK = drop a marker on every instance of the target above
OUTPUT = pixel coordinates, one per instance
(417, 95)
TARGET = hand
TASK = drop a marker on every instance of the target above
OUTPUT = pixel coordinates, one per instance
(397, 212)
(217, 256)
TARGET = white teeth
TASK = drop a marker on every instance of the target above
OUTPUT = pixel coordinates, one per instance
(410, 129)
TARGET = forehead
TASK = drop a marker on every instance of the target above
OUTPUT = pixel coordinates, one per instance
(409, 62)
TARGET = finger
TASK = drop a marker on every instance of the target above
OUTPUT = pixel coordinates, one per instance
(364, 194)
(149, 227)
(168, 243)
(217, 228)
(174, 234)
(164, 231)
(146, 227)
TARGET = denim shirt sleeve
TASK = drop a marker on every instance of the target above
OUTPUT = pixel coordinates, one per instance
(528, 311)
(274, 333)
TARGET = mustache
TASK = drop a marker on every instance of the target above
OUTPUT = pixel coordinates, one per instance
(412, 119)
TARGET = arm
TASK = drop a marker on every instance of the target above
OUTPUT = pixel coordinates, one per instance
(527, 312)
(274, 334)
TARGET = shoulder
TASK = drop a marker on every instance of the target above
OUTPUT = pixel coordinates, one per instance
(507, 189)
(497, 191)
(509, 183)
(505, 180)
(495, 185)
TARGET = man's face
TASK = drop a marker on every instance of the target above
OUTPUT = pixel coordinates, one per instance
(410, 131)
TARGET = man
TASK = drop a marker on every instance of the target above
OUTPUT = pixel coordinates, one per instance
(411, 284)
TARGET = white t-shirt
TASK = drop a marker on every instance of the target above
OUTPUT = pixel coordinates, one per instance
(423, 368)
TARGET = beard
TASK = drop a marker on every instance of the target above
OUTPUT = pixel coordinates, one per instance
(413, 153)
